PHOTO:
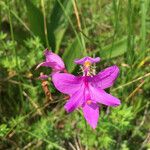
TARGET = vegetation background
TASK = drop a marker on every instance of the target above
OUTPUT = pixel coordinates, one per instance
(118, 31)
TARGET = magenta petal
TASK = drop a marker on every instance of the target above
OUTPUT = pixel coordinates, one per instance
(75, 101)
(106, 77)
(91, 114)
(47, 64)
(67, 83)
(54, 58)
(90, 59)
(53, 61)
(102, 97)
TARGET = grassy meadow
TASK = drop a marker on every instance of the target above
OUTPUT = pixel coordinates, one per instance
(117, 31)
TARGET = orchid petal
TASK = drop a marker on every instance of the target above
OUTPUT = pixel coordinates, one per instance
(91, 114)
(102, 97)
(46, 64)
(83, 60)
(53, 61)
(75, 101)
(52, 57)
(106, 77)
(66, 83)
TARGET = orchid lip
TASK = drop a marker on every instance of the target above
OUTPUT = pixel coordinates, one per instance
(87, 58)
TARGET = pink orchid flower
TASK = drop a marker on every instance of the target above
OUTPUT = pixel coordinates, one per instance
(87, 91)
(53, 61)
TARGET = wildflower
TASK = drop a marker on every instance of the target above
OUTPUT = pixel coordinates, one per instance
(87, 91)
(53, 61)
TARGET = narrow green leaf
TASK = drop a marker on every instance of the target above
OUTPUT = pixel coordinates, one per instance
(58, 23)
(144, 5)
(74, 50)
(109, 51)
(36, 20)
(119, 48)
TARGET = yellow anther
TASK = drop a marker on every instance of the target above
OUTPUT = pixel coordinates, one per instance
(87, 64)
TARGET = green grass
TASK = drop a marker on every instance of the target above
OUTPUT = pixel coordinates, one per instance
(117, 31)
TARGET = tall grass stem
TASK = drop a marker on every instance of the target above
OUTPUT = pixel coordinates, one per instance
(45, 23)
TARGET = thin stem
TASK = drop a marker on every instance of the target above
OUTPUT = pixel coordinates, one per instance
(45, 24)
(79, 23)
(84, 52)
(134, 91)
(77, 14)
(87, 141)
(115, 8)
(12, 36)
(21, 21)
(143, 25)
(135, 80)
(130, 44)
(15, 51)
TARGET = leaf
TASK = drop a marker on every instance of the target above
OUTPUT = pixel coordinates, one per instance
(59, 22)
(74, 50)
(3, 130)
(36, 20)
(119, 48)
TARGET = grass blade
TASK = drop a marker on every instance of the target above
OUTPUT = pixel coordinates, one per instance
(36, 20)
(71, 53)
(143, 24)
(58, 23)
